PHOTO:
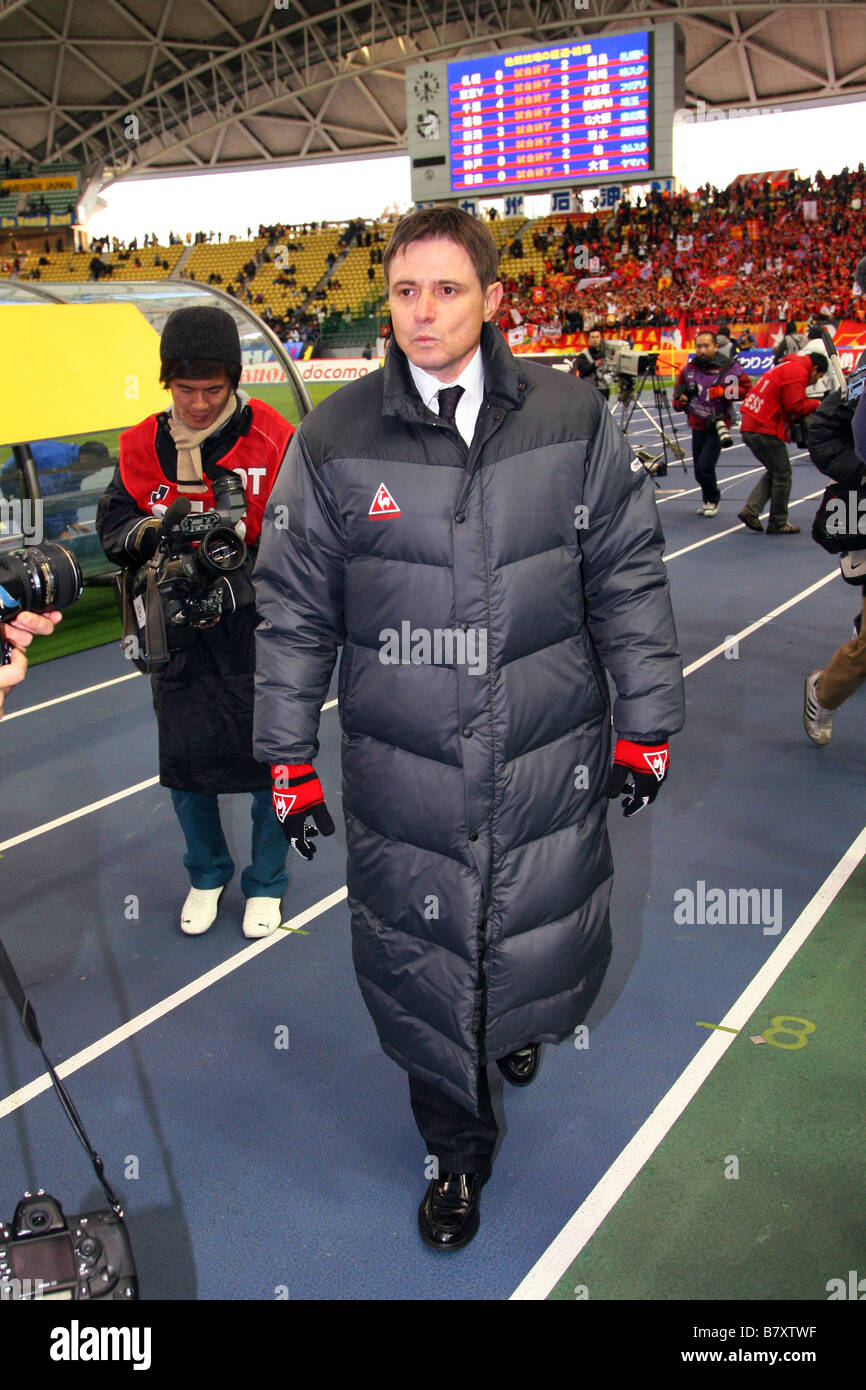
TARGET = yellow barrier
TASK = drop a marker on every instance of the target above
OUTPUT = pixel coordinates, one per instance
(75, 369)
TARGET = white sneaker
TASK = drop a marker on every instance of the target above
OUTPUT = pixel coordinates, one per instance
(262, 916)
(708, 509)
(200, 910)
(817, 721)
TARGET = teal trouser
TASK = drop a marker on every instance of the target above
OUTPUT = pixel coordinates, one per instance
(207, 857)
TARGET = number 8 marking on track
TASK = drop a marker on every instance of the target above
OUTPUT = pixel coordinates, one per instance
(779, 1025)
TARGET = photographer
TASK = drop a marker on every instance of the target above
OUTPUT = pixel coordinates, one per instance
(705, 389)
(203, 696)
(790, 341)
(597, 362)
(778, 399)
(19, 634)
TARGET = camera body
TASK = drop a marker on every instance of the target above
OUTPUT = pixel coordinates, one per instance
(195, 553)
(636, 363)
(42, 1256)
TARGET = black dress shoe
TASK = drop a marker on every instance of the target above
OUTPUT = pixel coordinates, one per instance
(521, 1067)
(449, 1217)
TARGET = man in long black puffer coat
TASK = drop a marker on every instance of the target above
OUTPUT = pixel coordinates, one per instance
(469, 528)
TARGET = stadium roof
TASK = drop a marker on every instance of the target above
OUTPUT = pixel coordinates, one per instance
(132, 87)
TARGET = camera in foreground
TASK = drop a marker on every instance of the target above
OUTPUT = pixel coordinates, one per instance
(39, 578)
(42, 1256)
(36, 579)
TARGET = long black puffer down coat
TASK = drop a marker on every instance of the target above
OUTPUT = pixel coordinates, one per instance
(474, 774)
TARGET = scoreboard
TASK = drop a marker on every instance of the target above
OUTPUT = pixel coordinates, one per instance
(569, 113)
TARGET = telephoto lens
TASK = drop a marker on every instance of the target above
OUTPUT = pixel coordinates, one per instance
(40, 577)
(726, 439)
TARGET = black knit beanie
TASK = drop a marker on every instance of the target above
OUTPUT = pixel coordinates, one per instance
(200, 334)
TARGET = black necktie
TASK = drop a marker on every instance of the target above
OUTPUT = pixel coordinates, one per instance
(448, 398)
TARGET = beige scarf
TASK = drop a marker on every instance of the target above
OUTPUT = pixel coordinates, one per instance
(188, 442)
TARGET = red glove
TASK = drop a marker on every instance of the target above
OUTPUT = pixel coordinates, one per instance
(716, 393)
(298, 798)
(638, 770)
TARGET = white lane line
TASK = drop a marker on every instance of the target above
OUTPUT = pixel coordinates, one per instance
(760, 622)
(719, 535)
(724, 483)
(76, 815)
(165, 1006)
(59, 699)
(689, 491)
(561, 1253)
(95, 806)
(104, 685)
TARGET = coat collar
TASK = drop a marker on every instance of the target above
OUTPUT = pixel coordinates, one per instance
(503, 380)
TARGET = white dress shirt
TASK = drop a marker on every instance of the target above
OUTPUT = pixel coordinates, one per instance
(472, 381)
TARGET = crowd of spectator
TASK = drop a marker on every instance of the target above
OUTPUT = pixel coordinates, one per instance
(741, 254)
(747, 254)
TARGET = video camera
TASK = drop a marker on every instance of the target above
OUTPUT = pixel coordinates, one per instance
(185, 586)
(36, 579)
(636, 363)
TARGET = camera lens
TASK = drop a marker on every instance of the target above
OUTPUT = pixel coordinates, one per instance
(228, 496)
(41, 577)
(228, 490)
(39, 1218)
(221, 551)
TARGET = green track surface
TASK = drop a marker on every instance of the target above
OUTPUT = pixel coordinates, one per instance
(792, 1116)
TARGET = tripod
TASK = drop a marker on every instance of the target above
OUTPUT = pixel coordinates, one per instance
(630, 388)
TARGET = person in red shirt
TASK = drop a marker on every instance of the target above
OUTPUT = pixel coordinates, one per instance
(778, 397)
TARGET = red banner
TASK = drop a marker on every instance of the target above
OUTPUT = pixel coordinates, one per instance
(718, 282)
(850, 337)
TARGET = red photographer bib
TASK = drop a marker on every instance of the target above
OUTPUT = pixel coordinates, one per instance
(256, 458)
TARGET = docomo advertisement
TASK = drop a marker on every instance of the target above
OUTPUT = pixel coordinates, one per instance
(333, 370)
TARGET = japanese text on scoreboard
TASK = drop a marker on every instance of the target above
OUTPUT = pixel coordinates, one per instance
(573, 111)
